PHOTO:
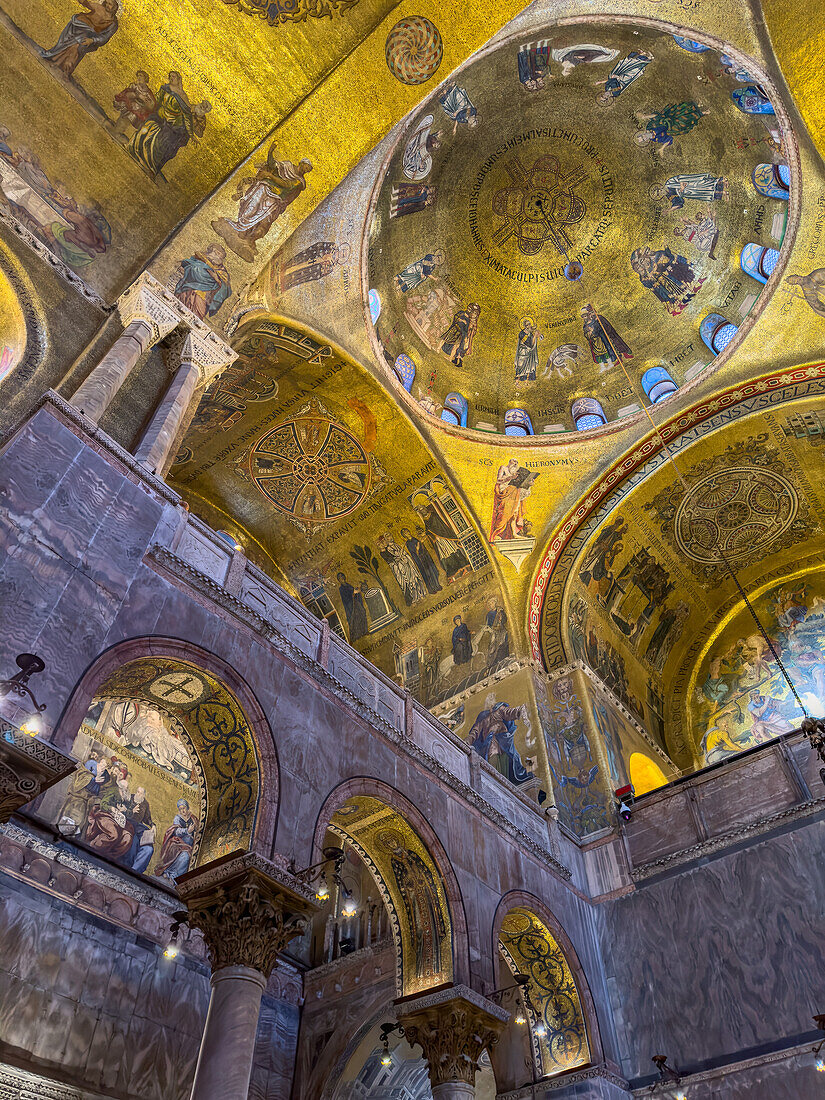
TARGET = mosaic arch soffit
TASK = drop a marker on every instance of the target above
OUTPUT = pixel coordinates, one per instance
(631, 580)
(301, 455)
(217, 734)
(411, 886)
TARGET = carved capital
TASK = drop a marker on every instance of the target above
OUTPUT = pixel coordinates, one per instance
(28, 766)
(247, 908)
(209, 353)
(149, 301)
(453, 1028)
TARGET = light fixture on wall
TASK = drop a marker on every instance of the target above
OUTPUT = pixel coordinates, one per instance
(819, 1059)
(349, 908)
(668, 1076)
(323, 872)
(18, 704)
(172, 949)
(386, 1031)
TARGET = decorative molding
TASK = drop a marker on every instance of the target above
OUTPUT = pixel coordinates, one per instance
(725, 840)
(276, 12)
(563, 1081)
(28, 766)
(19, 1084)
(453, 1027)
(209, 354)
(247, 908)
(66, 855)
(65, 272)
(180, 570)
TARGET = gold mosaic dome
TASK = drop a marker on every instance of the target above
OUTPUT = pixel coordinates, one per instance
(559, 230)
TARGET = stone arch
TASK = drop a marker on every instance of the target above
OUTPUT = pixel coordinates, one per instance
(371, 798)
(225, 730)
(543, 1051)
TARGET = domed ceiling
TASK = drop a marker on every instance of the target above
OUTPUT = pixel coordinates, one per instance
(559, 219)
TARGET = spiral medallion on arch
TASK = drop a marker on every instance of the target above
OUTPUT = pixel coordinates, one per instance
(738, 509)
(414, 50)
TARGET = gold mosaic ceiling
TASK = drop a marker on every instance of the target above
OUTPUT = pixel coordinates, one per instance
(543, 153)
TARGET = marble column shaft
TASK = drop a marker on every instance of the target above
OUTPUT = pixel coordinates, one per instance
(225, 1061)
(94, 395)
(160, 436)
(454, 1090)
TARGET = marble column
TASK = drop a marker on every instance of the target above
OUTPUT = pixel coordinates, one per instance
(453, 1028)
(147, 315)
(201, 360)
(248, 909)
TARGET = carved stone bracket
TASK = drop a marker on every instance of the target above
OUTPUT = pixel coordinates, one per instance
(28, 766)
(248, 909)
(453, 1027)
(147, 300)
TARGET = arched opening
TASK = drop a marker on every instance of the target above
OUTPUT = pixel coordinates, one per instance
(587, 413)
(645, 774)
(518, 422)
(773, 180)
(552, 1027)
(455, 410)
(717, 332)
(170, 773)
(12, 329)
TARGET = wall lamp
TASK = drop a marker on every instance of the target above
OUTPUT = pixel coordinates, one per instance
(814, 730)
(386, 1031)
(667, 1076)
(321, 872)
(20, 696)
(819, 1064)
(172, 949)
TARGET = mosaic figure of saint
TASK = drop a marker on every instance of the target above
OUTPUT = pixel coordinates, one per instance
(418, 154)
(584, 53)
(701, 186)
(752, 100)
(702, 232)
(403, 569)
(423, 559)
(410, 198)
(670, 122)
(813, 288)
(444, 540)
(492, 735)
(203, 282)
(419, 894)
(671, 278)
(607, 348)
(353, 601)
(312, 263)
(622, 75)
(513, 486)
(134, 104)
(262, 199)
(457, 341)
(83, 34)
(414, 274)
(461, 642)
(534, 65)
(458, 107)
(170, 127)
(527, 351)
(178, 843)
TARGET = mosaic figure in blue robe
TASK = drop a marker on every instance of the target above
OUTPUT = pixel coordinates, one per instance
(622, 75)
(534, 65)
(497, 725)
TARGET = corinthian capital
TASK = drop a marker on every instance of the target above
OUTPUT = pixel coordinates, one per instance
(247, 908)
(149, 301)
(453, 1028)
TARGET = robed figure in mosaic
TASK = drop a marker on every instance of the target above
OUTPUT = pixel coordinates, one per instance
(606, 346)
(419, 894)
(671, 278)
(262, 199)
(203, 282)
(171, 126)
(670, 122)
(83, 34)
(493, 737)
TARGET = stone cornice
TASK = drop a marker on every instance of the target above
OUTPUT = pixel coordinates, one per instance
(320, 973)
(180, 570)
(565, 1080)
(446, 996)
(725, 840)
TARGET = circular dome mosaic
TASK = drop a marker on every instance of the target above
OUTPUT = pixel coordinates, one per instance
(414, 50)
(311, 468)
(735, 509)
(570, 215)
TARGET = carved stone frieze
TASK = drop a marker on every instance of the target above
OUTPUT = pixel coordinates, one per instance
(28, 766)
(149, 301)
(453, 1027)
(247, 908)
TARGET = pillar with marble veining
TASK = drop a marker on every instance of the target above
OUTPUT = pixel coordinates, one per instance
(248, 909)
(201, 360)
(147, 317)
(453, 1028)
